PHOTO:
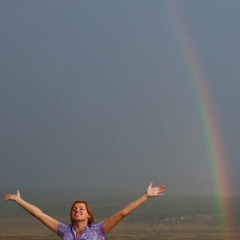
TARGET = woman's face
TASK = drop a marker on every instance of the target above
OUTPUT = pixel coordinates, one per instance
(79, 212)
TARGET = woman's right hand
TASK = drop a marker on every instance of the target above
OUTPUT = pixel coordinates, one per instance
(12, 197)
(35, 211)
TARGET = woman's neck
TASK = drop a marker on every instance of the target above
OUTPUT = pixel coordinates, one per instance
(80, 226)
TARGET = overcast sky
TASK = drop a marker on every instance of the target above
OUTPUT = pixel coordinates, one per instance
(97, 95)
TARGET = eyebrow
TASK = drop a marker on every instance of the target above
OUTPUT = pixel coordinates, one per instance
(81, 207)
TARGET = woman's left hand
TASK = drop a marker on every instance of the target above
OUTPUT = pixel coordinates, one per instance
(155, 191)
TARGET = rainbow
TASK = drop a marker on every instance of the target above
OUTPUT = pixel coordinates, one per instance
(214, 145)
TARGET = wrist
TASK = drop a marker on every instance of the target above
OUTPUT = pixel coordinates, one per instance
(146, 195)
(18, 199)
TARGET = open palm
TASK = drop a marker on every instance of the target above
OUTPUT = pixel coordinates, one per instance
(12, 197)
(155, 191)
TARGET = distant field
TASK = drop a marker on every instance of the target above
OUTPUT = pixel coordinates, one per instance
(21, 228)
(160, 218)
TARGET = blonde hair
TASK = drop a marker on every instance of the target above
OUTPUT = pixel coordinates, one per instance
(89, 210)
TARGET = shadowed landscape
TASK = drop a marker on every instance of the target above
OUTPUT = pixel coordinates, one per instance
(159, 218)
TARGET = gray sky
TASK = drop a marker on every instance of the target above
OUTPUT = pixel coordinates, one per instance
(96, 94)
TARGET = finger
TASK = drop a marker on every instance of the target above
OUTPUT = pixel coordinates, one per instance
(6, 197)
(150, 185)
(162, 187)
(159, 190)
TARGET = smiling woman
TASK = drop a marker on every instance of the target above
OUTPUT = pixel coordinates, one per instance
(82, 225)
(80, 208)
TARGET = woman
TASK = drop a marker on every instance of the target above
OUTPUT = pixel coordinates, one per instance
(82, 226)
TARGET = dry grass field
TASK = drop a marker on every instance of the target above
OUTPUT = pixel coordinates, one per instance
(169, 219)
(27, 228)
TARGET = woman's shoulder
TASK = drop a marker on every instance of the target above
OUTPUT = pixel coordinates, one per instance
(97, 227)
(65, 230)
(64, 226)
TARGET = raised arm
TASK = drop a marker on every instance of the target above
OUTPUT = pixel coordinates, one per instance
(111, 222)
(35, 211)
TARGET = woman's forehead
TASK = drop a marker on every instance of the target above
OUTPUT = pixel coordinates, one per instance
(78, 204)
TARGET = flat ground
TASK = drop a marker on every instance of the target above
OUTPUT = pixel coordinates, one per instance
(28, 228)
(170, 218)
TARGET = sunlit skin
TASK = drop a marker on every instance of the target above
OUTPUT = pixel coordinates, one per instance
(79, 213)
(79, 216)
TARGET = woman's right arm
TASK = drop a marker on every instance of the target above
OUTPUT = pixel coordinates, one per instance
(48, 221)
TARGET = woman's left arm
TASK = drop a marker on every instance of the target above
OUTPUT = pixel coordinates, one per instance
(111, 222)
